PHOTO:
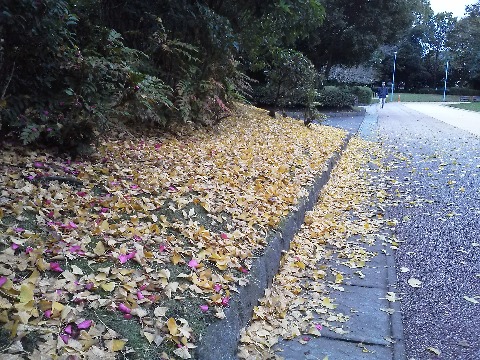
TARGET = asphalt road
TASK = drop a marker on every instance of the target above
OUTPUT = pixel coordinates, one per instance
(435, 174)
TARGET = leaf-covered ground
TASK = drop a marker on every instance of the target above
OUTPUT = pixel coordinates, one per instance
(131, 253)
(347, 220)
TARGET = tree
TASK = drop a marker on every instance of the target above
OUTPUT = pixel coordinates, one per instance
(465, 45)
(353, 30)
(438, 29)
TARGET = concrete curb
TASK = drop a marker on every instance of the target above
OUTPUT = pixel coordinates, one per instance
(220, 341)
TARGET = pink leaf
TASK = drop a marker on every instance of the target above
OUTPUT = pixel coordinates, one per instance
(127, 316)
(55, 267)
(224, 236)
(123, 308)
(217, 287)
(225, 301)
(15, 246)
(47, 313)
(3, 280)
(75, 248)
(123, 258)
(19, 229)
(193, 264)
(85, 324)
(28, 250)
(140, 295)
(68, 329)
(319, 327)
(162, 248)
(89, 286)
(72, 225)
(204, 308)
(82, 193)
(65, 338)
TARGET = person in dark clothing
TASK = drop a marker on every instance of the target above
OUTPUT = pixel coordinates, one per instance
(382, 93)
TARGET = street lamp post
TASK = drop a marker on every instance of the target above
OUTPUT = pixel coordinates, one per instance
(393, 76)
(445, 88)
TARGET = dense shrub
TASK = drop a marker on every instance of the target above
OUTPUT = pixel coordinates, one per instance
(363, 94)
(336, 97)
(60, 89)
(291, 80)
(63, 74)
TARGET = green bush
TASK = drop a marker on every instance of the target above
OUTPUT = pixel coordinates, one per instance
(291, 80)
(336, 97)
(363, 94)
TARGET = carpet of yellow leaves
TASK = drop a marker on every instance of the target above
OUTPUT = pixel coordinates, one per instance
(145, 221)
(342, 226)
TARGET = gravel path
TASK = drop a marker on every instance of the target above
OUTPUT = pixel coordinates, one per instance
(435, 171)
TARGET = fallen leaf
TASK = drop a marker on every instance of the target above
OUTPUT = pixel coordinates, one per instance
(115, 345)
(414, 283)
(26, 293)
(471, 299)
(182, 353)
(109, 286)
(434, 350)
(99, 249)
(160, 311)
(172, 327)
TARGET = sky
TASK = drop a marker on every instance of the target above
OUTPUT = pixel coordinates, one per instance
(457, 7)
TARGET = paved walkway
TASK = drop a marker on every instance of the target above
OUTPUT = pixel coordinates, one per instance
(381, 332)
(462, 119)
(374, 331)
(435, 174)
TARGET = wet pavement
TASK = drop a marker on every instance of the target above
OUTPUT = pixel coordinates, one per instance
(435, 174)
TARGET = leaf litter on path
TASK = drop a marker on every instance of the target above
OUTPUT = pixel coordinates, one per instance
(150, 231)
(345, 222)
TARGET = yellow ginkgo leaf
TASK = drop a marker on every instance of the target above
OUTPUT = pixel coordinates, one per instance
(99, 249)
(56, 306)
(326, 302)
(115, 345)
(104, 226)
(26, 293)
(176, 258)
(150, 337)
(172, 327)
(338, 278)
(109, 286)
(300, 265)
